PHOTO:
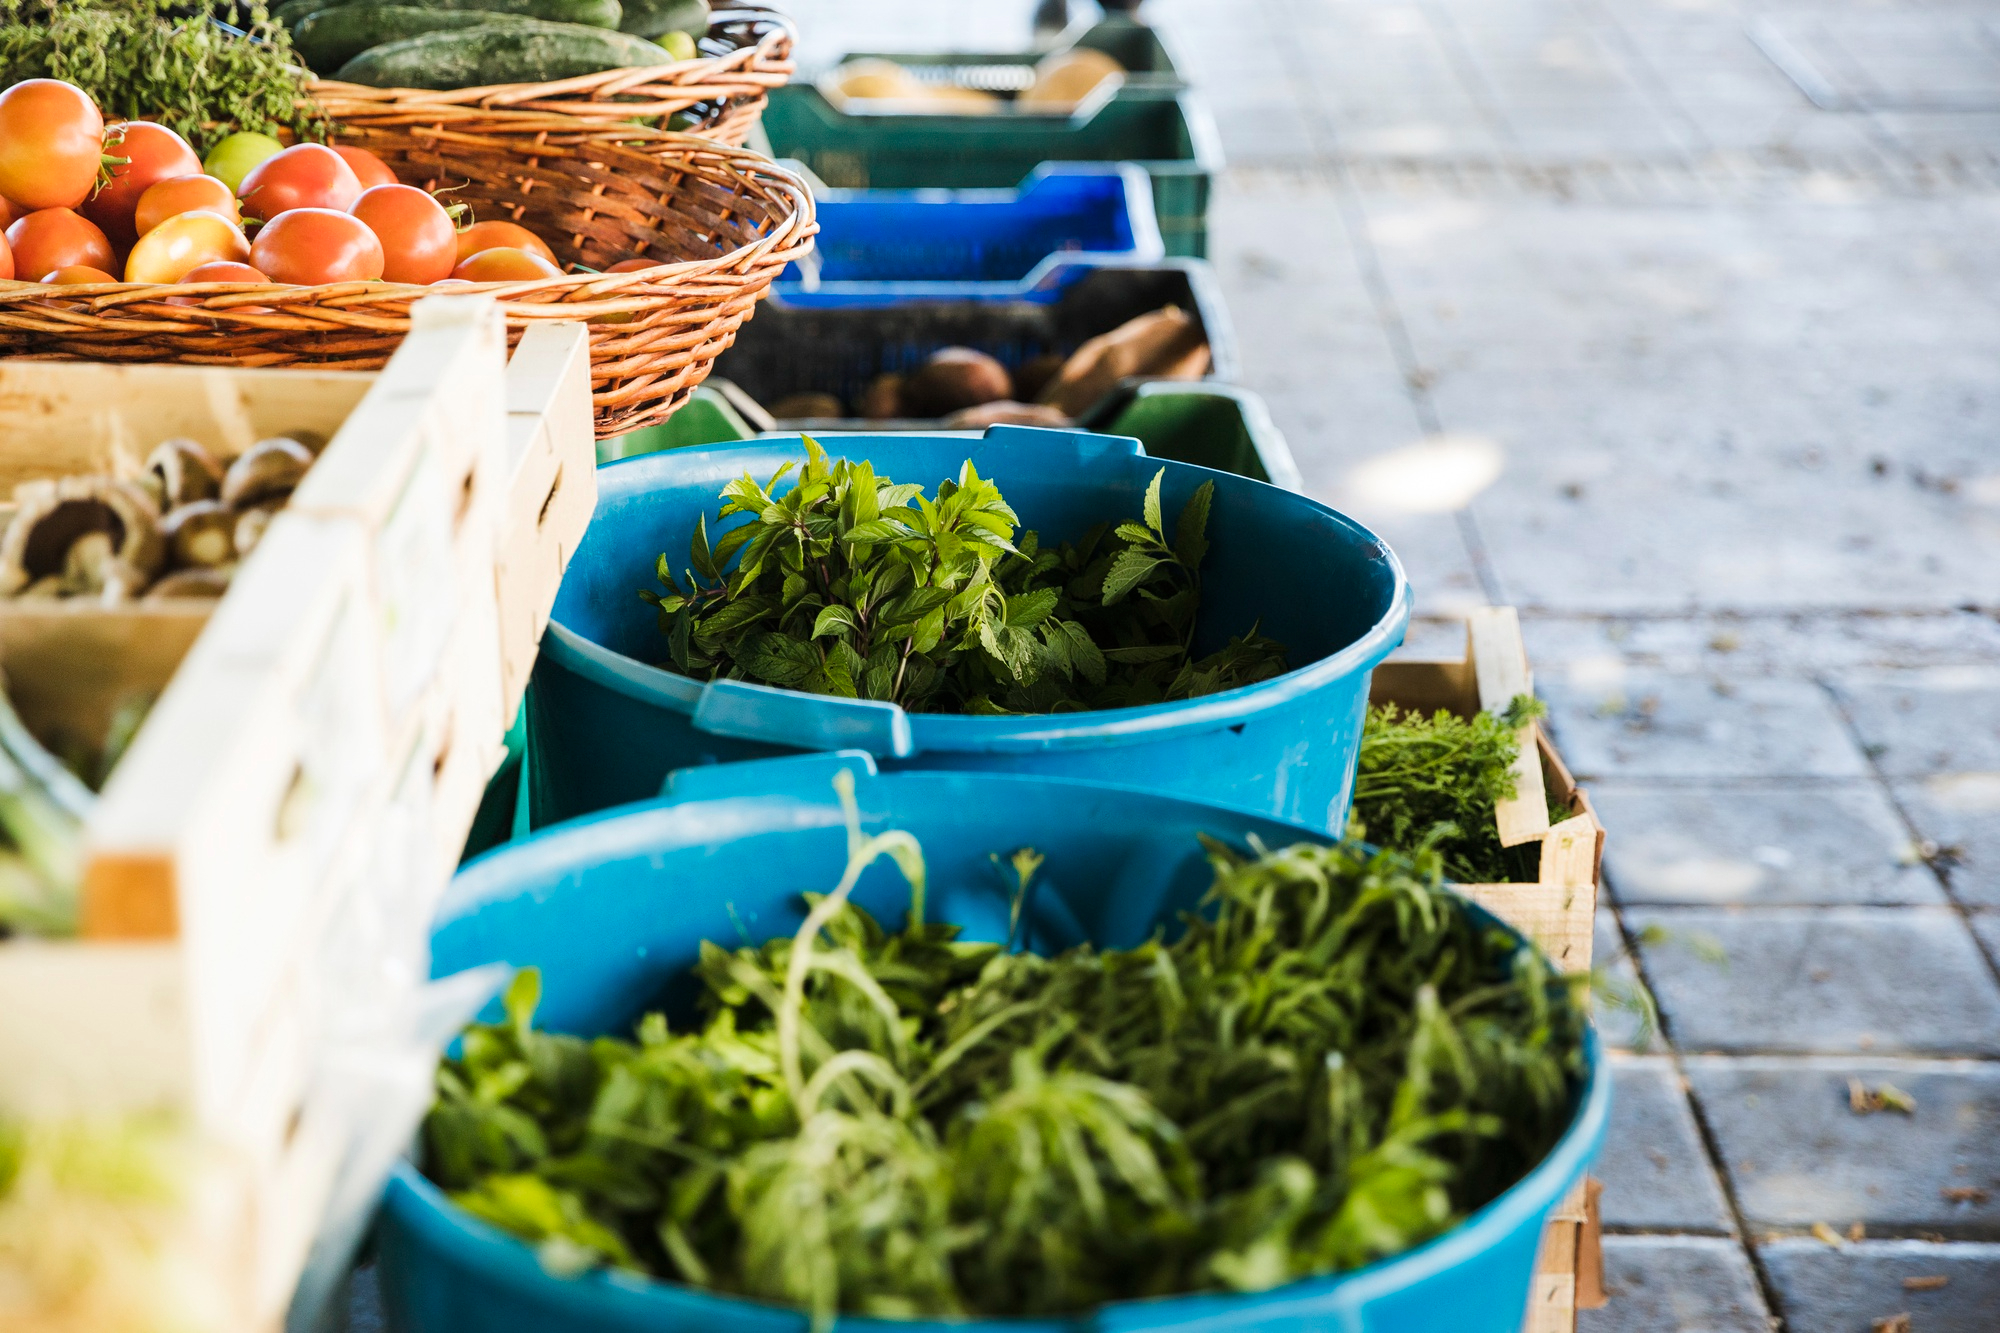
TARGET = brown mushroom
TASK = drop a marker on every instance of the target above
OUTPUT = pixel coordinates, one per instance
(182, 583)
(201, 535)
(95, 534)
(250, 526)
(183, 471)
(267, 470)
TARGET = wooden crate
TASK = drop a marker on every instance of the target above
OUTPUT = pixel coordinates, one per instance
(551, 489)
(323, 733)
(1558, 911)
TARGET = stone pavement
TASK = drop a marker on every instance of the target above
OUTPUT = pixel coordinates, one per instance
(1694, 300)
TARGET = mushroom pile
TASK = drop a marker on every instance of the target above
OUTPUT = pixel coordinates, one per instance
(177, 529)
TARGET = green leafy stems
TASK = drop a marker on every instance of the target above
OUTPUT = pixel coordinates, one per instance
(1438, 780)
(852, 585)
(1335, 1062)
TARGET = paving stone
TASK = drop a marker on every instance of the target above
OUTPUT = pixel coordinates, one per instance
(1800, 644)
(1656, 1174)
(1732, 844)
(1676, 1284)
(1797, 1153)
(1927, 722)
(1620, 1009)
(1847, 1290)
(1615, 722)
(1987, 926)
(1820, 980)
(1960, 813)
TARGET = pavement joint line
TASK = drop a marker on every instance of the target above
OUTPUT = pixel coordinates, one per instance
(1710, 1142)
(1872, 758)
(1648, 79)
(1472, 80)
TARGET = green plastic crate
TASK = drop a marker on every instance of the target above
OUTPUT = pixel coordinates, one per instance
(1148, 60)
(708, 417)
(1168, 132)
(1211, 425)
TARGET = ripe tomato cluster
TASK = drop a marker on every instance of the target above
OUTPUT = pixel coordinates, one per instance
(83, 202)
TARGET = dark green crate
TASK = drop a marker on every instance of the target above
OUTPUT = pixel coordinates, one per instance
(1148, 61)
(1210, 425)
(1169, 133)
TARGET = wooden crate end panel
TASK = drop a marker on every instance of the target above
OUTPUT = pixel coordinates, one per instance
(94, 1027)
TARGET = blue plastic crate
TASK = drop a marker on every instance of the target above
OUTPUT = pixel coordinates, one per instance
(921, 244)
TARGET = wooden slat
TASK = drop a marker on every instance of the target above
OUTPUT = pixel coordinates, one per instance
(1500, 661)
(1590, 1290)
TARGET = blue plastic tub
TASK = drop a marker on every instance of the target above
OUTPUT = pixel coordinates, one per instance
(613, 909)
(905, 244)
(605, 727)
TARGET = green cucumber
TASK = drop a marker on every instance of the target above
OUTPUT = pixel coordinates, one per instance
(593, 13)
(521, 51)
(656, 18)
(332, 37)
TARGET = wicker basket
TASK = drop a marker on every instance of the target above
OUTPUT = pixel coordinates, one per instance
(748, 51)
(722, 221)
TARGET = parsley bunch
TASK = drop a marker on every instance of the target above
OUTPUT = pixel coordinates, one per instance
(1436, 780)
(1335, 1063)
(853, 585)
(173, 63)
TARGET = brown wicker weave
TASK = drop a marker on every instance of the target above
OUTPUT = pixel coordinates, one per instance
(722, 221)
(726, 91)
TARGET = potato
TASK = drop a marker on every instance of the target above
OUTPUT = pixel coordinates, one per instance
(953, 379)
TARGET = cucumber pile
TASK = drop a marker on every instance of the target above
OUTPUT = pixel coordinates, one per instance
(442, 44)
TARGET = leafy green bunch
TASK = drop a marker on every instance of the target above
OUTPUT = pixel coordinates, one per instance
(1437, 780)
(1334, 1063)
(163, 61)
(850, 584)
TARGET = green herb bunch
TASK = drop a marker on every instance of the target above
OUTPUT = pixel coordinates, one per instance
(165, 62)
(1437, 780)
(1334, 1063)
(850, 584)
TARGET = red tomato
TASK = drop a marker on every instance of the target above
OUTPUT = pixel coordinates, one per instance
(153, 153)
(53, 238)
(306, 175)
(183, 194)
(496, 235)
(419, 244)
(6, 261)
(184, 242)
(503, 264)
(223, 270)
(369, 169)
(51, 142)
(310, 246)
(76, 275)
(7, 213)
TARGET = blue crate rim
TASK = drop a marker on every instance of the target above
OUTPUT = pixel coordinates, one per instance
(1026, 733)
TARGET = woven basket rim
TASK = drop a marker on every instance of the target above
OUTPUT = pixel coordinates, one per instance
(747, 71)
(784, 242)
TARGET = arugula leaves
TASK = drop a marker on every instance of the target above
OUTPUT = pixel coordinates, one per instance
(849, 584)
(1335, 1063)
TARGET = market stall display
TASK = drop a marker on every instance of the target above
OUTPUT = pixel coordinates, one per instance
(606, 724)
(1108, 866)
(670, 241)
(1141, 53)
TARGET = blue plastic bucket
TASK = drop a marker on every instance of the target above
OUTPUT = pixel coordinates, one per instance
(605, 727)
(613, 910)
(955, 244)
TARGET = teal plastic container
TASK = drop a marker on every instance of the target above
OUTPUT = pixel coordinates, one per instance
(1210, 425)
(613, 910)
(605, 726)
(1169, 132)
